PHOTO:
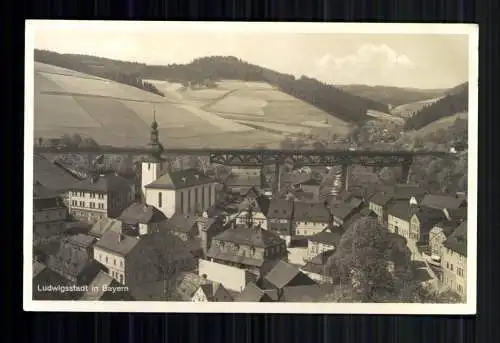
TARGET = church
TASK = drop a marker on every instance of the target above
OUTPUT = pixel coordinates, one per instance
(187, 192)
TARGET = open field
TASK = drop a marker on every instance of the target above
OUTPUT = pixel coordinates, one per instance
(234, 114)
(407, 110)
(385, 116)
(443, 123)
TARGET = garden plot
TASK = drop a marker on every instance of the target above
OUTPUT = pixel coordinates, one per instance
(223, 124)
(240, 105)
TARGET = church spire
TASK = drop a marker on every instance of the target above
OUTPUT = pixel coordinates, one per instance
(155, 146)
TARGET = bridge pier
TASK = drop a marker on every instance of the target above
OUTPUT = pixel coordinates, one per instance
(405, 171)
(277, 178)
(344, 177)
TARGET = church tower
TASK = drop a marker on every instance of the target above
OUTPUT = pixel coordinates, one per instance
(151, 168)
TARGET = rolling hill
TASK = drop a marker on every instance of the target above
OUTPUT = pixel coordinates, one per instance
(207, 71)
(394, 96)
(455, 101)
(410, 109)
(233, 113)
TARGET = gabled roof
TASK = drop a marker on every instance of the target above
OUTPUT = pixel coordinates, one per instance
(82, 240)
(52, 176)
(259, 204)
(280, 209)
(281, 274)
(381, 198)
(428, 217)
(40, 191)
(216, 292)
(182, 223)
(102, 184)
(105, 224)
(117, 242)
(252, 236)
(322, 258)
(311, 212)
(448, 226)
(342, 210)
(44, 204)
(139, 213)
(458, 240)
(252, 293)
(181, 179)
(327, 237)
(443, 201)
(400, 209)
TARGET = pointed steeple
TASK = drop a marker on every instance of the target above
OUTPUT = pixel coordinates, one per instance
(155, 146)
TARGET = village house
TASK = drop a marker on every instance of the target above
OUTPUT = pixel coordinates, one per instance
(185, 191)
(213, 292)
(398, 217)
(252, 293)
(443, 202)
(378, 204)
(286, 283)
(421, 223)
(259, 207)
(438, 234)
(317, 268)
(310, 218)
(280, 219)
(241, 254)
(97, 290)
(342, 212)
(310, 188)
(326, 240)
(142, 219)
(103, 225)
(454, 260)
(49, 212)
(241, 180)
(100, 196)
(74, 260)
(53, 177)
(183, 226)
(43, 278)
(131, 259)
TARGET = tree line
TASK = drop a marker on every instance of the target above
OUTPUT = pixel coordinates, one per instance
(68, 141)
(99, 67)
(208, 70)
(455, 102)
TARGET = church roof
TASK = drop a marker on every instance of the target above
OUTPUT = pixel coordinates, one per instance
(180, 179)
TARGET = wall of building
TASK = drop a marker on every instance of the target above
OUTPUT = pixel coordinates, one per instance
(309, 228)
(316, 248)
(231, 278)
(149, 172)
(199, 296)
(454, 268)
(168, 202)
(50, 222)
(399, 226)
(88, 206)
(318, 277)
(311, 189)
(414, 229)
(377, 209)
(258, 218)
(436, 240)
(115, 263)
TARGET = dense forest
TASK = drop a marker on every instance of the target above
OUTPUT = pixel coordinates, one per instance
(456, 100)
(394, 96)
(208, 70)
(124, 72)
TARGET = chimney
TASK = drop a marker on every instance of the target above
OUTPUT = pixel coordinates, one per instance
(121, 237)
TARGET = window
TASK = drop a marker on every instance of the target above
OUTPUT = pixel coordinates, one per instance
(182, 202)
(106, 259)
(209, 195)
(82, 203)
(121, 263)
(159, 199)
(447, 265)
(460, 289)
(189, 200)
(451, 267)
(196, 196)
(121, 278)
(114, 261)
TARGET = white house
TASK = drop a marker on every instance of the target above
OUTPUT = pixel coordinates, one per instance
(185, 191)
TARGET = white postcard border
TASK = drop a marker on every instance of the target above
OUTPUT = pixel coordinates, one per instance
(236, 307)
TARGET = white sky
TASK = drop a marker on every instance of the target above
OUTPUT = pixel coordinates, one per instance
(405, 60)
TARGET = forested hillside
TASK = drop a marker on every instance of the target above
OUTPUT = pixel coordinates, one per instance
(456, 100)
(208, 70)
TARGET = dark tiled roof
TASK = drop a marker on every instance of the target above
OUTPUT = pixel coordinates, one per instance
(448, 226)
(320, 269)
(38, 267)
(327, 237)
(458, 240)
(52, 176)
(43, 204)
(117, 242)
(442, 201)
(82, 240)
(281, 274)
(105, 224)
(40, 191)
(311, 212)
(459, 213)
(401, 210)
(216, 292)
(303, 293)
(181, 179)
(216, 253)
(139, 213)
(182, 223)
(322, 259)
(280, 209)
(406, 191)
(342, 210)
(428, 217)
(381, 199)
(252, 236)
(97, 286)
(243, 181)
(252, 293)
(102, 183)
(259, 204)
